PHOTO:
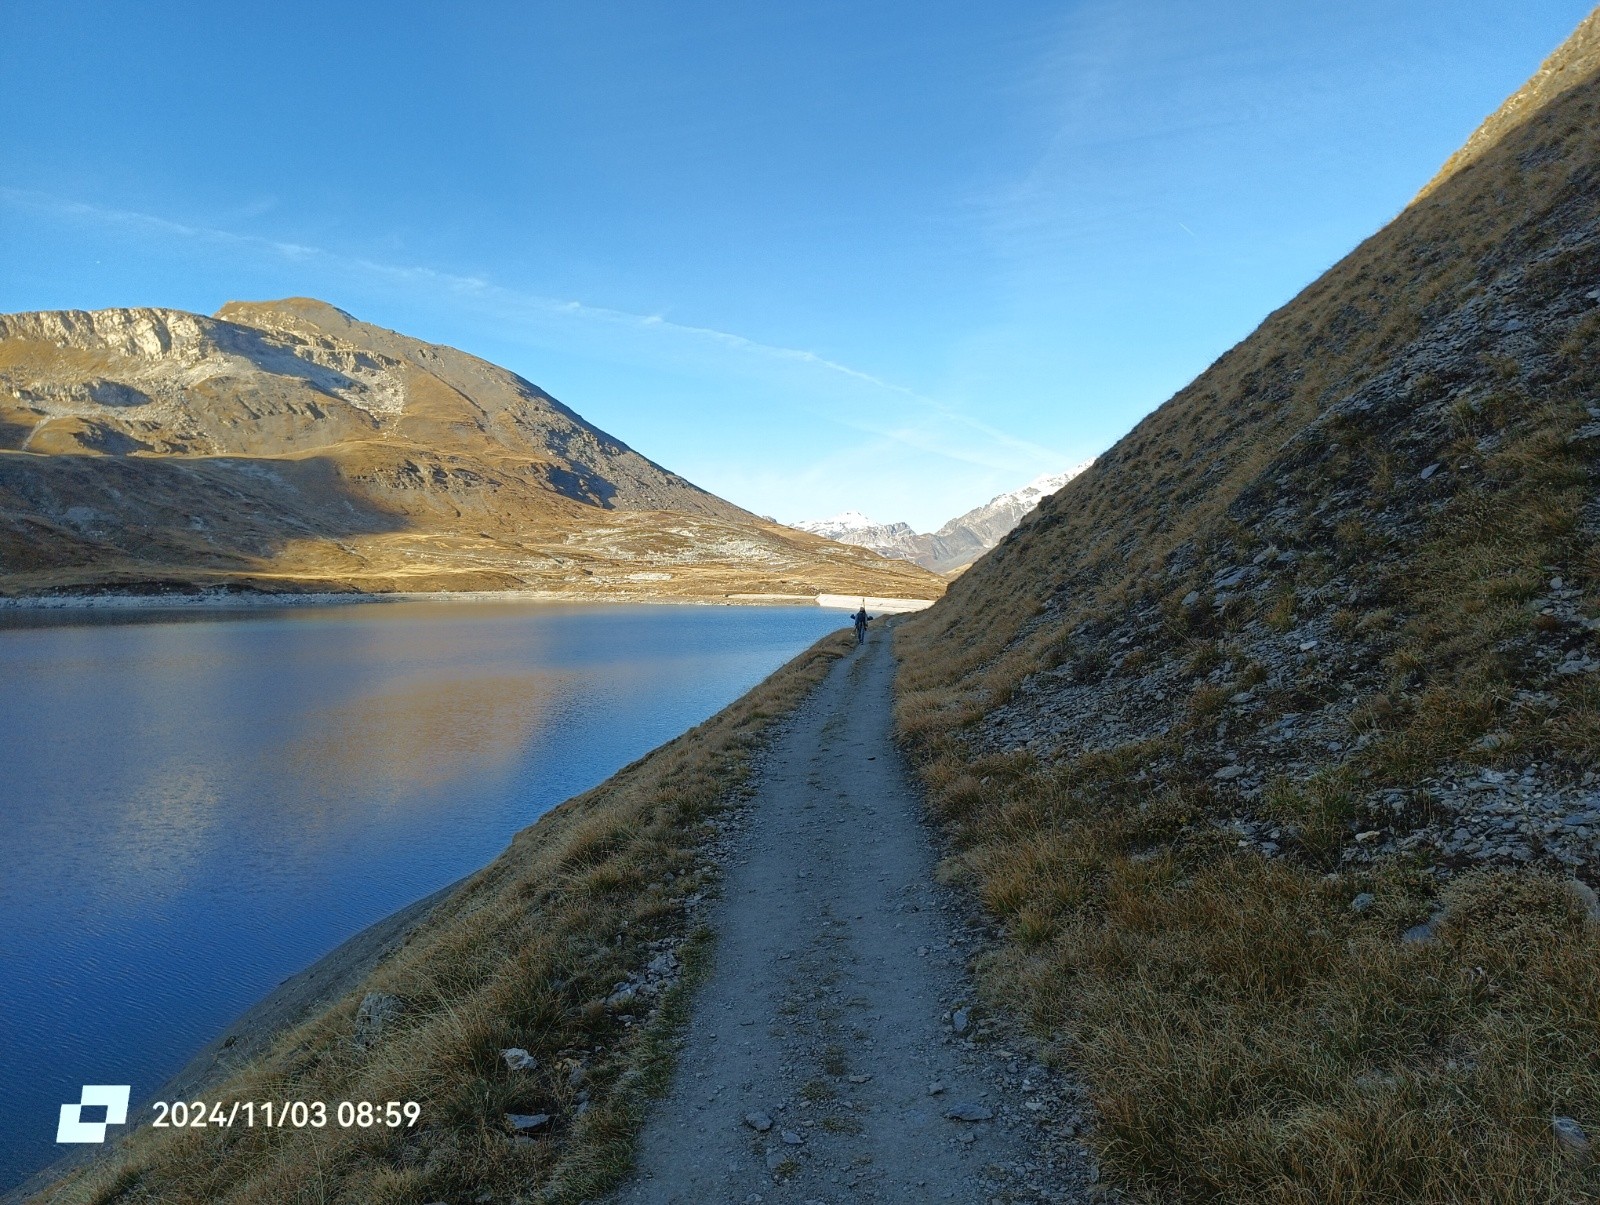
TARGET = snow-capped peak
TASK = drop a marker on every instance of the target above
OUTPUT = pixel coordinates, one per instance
(847, 520)
(1041, 486)
(958, 542)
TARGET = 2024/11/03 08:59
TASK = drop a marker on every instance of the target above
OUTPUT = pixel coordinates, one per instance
(287, 1114)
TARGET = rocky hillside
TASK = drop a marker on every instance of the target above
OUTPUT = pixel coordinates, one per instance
(287, 446)
(955, 545)
(1274, 739)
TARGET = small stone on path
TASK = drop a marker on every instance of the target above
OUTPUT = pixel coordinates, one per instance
(969, 1111)
(759, 1122)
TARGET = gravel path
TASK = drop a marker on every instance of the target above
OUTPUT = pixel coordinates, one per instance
(836, 1036)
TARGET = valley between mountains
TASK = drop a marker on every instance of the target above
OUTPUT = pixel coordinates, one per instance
(1259, 804)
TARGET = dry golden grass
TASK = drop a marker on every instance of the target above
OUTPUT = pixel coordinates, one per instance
(1246, 1036)
(526, 955)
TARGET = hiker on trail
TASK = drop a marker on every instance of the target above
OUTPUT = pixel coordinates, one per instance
(861, 618)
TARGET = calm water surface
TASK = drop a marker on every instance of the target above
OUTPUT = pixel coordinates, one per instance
(193, 807)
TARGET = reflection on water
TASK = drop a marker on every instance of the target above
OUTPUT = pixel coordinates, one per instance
(191, 810)
(412, 735)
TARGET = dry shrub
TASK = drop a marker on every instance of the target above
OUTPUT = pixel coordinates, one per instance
(1248, 1037)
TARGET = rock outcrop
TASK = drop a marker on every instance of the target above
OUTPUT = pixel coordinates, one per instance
(967, 537)
(894, 540)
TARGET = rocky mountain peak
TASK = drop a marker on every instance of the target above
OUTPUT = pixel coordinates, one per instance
(289, 438)
(955, 545)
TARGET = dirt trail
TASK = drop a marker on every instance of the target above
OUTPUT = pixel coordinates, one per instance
(840, 967)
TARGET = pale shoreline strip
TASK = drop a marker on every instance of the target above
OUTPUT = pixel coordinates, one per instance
(889, 606)
(243, 600)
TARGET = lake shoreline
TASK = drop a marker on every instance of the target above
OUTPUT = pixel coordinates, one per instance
(324, 671)
(218, 600)
(296, 999)
(250, 599)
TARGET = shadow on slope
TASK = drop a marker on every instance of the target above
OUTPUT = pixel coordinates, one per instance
(1271, 738)
(78, 521)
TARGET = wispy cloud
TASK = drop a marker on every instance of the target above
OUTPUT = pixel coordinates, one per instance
(926, 436)
(1107, 114)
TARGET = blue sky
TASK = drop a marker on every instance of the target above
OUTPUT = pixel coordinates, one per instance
(893, 256)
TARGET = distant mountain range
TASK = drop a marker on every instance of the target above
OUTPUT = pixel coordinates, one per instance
(286, 446)
(955, 545)
(886, 539)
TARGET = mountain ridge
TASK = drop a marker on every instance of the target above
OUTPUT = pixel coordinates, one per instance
(289, 446)
(959, 541)
(1271, 741)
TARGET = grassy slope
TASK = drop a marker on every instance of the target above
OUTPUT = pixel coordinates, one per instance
(1246, 1034)
(526, 954)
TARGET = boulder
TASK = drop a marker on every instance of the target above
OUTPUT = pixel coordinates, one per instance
(1570, 1139)
(518, 1059)
(376, 1014)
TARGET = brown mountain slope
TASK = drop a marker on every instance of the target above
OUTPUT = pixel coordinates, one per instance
(1274, 737)
(287, 446)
